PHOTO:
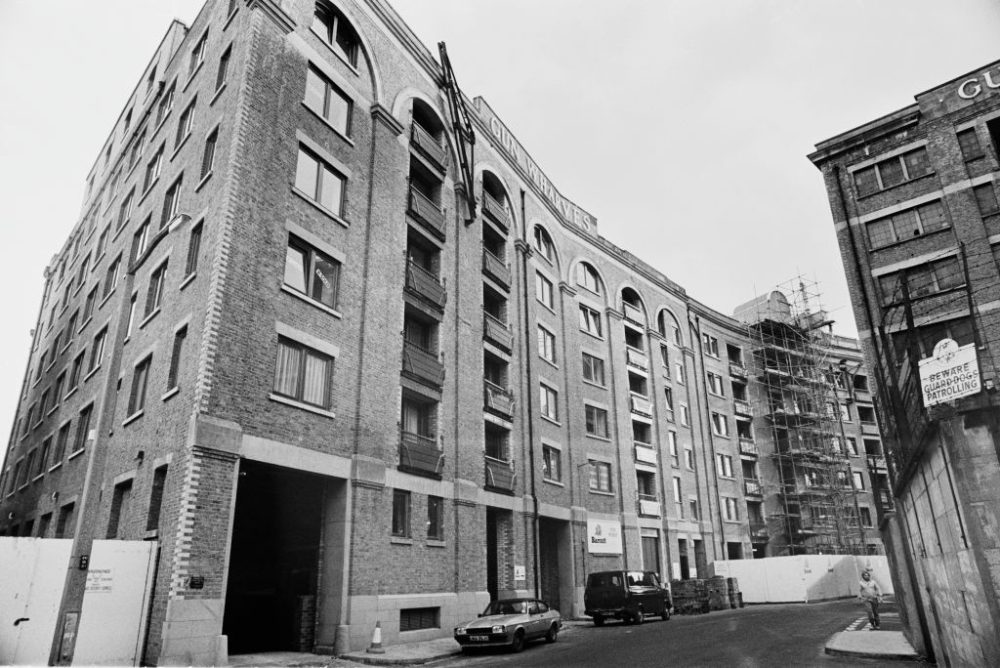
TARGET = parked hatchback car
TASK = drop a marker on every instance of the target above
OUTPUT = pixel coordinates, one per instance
(626, 595)
(510, 623)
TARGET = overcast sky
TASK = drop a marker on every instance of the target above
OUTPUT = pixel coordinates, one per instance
(682, 126)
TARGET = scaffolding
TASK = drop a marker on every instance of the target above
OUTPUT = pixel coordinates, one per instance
(810, 501)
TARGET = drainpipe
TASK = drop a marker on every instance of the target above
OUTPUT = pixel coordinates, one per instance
(525, 250)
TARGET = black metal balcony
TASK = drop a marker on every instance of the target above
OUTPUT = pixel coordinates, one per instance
(648, 505)
(636, 358)
(500, 475)
(737, 370)
(428, 145)
(496, 211)
(425, 285)
(496, 268)
(427, 212)
(751, 487)
(497, 332)
(420, 454)
(634, 314)
(498, 400)
(742, 407)
(758, 530)
(641, 405)
(748, 446)
(422, 365)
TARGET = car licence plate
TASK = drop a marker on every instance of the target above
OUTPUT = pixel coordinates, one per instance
(479, 638)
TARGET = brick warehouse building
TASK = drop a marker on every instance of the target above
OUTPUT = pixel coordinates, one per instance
(283, 343)
(914, 202)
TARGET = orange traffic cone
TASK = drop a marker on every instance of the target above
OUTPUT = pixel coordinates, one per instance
(376, 646)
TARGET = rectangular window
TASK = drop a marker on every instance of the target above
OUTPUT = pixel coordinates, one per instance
(76, 372)
(852, 446)
(139, 241)
(136, 151)
(198, 54)
(319, 181)
(65, 522)
(968, 141)
(154, 294)
(866, 414)
(419, 619)
(400, 513)
(83, 428)
(119, 508)
(551, 463)
(665, 358)
(888, 173)
(859, 479)
(156, 498)
(125, 210)
(171, 202)
(546, 344)
(194, 246)
(590, 320)
(336, 32)
(549, 402)
(220, 77)
(311, 272)
(689, 458)
(130, 325)
(685, 415)
(327, 100)
(710, 345)
(166, 104)
(435, 518)
(677, 490)
(208, 157)
(907, 224)
(730, 509)
(137, 400)
(102, 241)
(986, 200)
(185, 124)
(153, 169)
(668, 400)
(597, 421)
(866, 517)
(720, 424)
(679, 373)
(600, 476)
(675, 456)
(724, 466)
(175, 357)
(110, 279)
(543, 290)
(97, 351)
(715, 385)
(593, 369)
(57, 389)
(303, 374)
(62, 439)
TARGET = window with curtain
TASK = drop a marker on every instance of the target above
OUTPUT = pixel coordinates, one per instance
(303, 374)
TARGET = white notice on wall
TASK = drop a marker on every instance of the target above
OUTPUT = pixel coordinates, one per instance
(951, 373)
(99, 580)
(604, 537)
(519, 572)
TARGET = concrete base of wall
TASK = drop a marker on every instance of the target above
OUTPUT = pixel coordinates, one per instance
(191, 633)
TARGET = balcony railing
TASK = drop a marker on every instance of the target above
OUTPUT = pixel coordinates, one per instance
(497, 399)
(869, 428)
(758, 530)
(420, 454)
(500, 475)
(752, 487)
(877, 462)
(645, 453)
(428, 145)
(422, 365)
(641, 405)
(497, 332)
(636, 358)
(748, 446)
(427, 212)
(425, 285)
(742, 407)
(649, 505)
(634, 314)
(885, 501)
(496, 211)
(737, 370)
(496, 268)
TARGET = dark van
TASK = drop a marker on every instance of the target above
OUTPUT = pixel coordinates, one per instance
(626, 595)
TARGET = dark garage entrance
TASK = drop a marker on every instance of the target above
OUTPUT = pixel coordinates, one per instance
(271, 595)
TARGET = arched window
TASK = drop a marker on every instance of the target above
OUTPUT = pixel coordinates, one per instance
(495, 201)
(667, 325)
(337, 32)
(587, 277)
(543, 244)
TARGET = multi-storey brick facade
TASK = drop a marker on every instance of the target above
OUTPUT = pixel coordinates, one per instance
(338, 394)
(914, 202)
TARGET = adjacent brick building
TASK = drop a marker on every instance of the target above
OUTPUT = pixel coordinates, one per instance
(914, 202)
(284, 342)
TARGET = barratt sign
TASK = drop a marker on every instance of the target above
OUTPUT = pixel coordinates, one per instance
(569, 211)
(951, 373)
(604, 537)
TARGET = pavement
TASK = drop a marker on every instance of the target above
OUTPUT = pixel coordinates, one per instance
(857, 640)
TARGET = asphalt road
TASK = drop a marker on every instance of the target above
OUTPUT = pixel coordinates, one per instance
(765, 635)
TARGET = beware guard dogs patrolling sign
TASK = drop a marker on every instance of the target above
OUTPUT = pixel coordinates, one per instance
(951, 373)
